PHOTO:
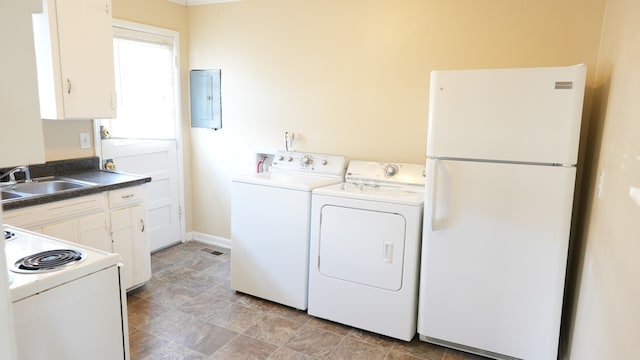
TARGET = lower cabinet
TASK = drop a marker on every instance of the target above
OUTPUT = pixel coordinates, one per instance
(112, 221)
(129, 235)
(64, 230)
(81, 220)
(89, 230)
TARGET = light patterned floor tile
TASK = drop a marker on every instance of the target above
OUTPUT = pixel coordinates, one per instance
(187, 311)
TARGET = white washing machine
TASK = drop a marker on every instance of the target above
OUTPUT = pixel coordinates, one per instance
(365, 248)
(270, 217)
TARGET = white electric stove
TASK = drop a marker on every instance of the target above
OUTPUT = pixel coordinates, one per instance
(67, 299)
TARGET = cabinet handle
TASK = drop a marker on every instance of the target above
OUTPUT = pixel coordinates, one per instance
(128, 196)
(68, 86)
(141, 225)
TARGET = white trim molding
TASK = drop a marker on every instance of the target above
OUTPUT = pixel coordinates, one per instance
(200, 2)
(209, 239)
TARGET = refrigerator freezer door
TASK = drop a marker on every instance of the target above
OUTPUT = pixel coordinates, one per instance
(523, 115)
(494, 256)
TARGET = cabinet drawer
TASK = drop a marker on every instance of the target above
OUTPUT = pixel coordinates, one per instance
(126, 196)
(48, 213)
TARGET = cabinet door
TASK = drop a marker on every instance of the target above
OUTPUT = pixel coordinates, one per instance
(121, 237)
(140, 245)
(64, 230)
(86, 58)
(92, 231)
(130, 241)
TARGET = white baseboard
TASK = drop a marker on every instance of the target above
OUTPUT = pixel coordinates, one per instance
(209, 239)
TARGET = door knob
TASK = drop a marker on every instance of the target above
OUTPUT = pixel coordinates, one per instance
(109, 165)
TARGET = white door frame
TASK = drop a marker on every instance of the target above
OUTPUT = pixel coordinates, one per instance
(178, 101)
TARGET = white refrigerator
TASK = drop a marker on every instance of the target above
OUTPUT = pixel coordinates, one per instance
(501, 167)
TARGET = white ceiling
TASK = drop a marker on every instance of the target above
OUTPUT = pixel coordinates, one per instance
(199, 2)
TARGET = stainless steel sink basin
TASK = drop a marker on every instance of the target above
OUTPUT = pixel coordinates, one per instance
(46, 187)
(6, 195)
(43, 186)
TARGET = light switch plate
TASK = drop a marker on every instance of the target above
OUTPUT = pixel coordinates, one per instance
(85, 141)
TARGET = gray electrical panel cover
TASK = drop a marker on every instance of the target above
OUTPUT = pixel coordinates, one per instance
(206, 105)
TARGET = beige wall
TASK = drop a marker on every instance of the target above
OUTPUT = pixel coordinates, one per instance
(352, 77)
(62, 139)
(606, 317)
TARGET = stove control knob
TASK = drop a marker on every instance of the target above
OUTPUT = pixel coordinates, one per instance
(324, 162)
(391, 170)
(280, 157)
(307, 160)
(289, 158)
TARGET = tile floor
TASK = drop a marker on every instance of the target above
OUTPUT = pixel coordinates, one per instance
(188, 311)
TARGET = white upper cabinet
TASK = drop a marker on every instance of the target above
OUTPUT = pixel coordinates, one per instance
(22, 141)
(74, 55)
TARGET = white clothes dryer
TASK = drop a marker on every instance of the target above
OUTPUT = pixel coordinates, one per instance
(365, 248)
(270, 217)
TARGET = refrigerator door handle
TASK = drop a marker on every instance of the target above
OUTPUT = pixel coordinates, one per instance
(434, 192)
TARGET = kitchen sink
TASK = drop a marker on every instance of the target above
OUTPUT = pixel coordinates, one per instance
(43, 186)
(6, 195)
(46, 187)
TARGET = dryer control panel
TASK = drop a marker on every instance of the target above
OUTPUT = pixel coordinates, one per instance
(311, 163)
(378, 173)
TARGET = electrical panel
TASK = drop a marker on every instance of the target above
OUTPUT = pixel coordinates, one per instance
(206, 102)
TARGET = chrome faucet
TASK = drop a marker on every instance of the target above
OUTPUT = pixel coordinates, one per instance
(12, 177)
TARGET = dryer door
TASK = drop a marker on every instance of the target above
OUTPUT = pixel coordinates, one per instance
(362, 246)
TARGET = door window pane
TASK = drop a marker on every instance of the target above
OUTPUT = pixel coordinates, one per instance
(145, 86)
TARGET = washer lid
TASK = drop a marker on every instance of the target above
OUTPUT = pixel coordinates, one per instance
(288, 180)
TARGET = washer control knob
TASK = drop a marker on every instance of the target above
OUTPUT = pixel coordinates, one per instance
(289, 158)
(391, 170)
(307, 160)
(324, 162)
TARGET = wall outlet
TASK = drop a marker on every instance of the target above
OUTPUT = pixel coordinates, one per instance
(85, 141)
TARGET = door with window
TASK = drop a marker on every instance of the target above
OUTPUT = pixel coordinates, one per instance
(144, 139)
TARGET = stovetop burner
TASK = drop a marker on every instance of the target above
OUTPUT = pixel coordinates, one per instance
(49, 260)
(8, 235)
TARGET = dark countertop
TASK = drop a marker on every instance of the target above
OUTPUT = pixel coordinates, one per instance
(85, 169)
